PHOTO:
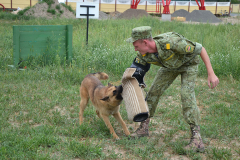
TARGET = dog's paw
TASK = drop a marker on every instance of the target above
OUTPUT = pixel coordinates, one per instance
(116, 138)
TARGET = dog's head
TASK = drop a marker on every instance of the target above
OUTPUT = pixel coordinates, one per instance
(113, 95)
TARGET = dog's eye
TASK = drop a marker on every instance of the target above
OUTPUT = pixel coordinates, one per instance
(114, 92)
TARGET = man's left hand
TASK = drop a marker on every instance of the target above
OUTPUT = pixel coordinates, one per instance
(212, 81)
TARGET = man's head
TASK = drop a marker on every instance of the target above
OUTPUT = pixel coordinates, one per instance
(143, 32)
(142, 40)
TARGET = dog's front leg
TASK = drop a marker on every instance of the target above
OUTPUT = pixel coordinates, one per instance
(83, 105)
(108, 124)
(123, 124)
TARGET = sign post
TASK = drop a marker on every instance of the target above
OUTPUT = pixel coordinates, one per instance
(87, 10)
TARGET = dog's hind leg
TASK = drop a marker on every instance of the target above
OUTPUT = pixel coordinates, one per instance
(83, 103)
(118, 117)
(108, 124)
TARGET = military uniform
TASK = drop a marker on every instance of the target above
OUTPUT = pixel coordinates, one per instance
(176, 56)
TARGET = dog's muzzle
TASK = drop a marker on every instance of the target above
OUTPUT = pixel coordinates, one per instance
(119, 92)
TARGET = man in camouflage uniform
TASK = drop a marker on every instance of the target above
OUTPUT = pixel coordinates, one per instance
(176, 55)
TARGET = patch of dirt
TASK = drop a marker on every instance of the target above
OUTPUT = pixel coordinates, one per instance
(109, 148)
(103, 15)
(114, 15)
(175, 157)
(231, 20)
(133, 13)
(41, 10)
(228, 145)
(12, 120)
(62, 111)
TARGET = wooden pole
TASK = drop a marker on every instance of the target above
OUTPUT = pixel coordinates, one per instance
(160, 8)
(216, 8)
(229, 9)
(99, 5)
(146, 6)
(156, 5)
(175, 6)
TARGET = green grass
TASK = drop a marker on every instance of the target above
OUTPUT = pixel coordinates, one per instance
(39, 106)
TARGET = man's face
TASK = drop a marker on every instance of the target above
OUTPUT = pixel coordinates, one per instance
(141, 46)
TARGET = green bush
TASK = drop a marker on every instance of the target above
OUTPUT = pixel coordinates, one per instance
(58, 7)
(68, 7)
(21, 12)
(10, 16)
(49, 2)
(51, 11)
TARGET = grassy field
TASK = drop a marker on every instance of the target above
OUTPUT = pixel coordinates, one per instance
(39, 106)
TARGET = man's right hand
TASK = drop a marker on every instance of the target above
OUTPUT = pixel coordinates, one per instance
(139, 75)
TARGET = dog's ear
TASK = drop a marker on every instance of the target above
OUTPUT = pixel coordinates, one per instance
(110, 85)
(106, 99)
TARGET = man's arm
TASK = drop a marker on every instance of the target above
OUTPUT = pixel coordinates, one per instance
(212, 78)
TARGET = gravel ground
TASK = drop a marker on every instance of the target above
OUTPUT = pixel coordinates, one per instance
(197, 16)
(180, 13)
(202, 16)
(103, 15)
(133, 13)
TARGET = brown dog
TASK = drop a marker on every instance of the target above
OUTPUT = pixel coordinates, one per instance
(106, 100)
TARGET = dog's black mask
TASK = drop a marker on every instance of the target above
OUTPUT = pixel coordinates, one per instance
(118, 92)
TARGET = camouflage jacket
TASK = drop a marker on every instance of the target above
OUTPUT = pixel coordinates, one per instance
(174, 50)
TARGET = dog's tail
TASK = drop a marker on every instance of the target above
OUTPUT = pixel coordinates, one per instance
(100, 75)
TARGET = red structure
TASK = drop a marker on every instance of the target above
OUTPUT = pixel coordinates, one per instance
(2, 6)
(202, 7)
(134, 4)
(166, 7)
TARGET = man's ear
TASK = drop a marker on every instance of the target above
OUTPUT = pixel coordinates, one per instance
(105, 99)
(110, 85)
(145, 42)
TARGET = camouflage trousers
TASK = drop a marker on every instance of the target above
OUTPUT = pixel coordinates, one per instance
(164, 79)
